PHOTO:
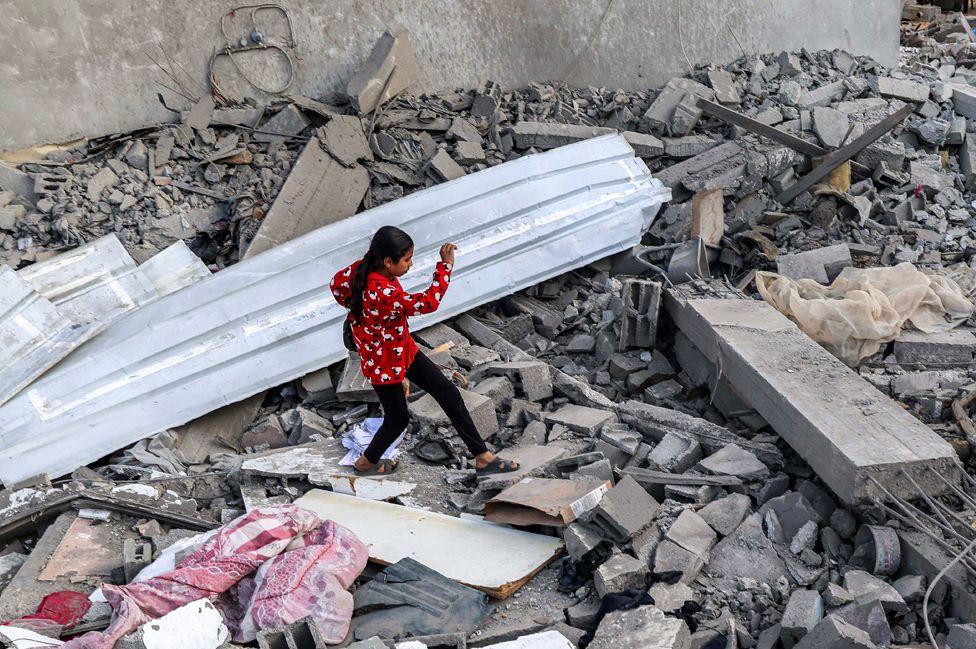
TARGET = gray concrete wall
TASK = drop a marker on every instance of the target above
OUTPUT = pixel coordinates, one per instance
(82, 67)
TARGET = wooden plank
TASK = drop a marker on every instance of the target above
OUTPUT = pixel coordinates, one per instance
(843, 426)
(843, 154)
(494, 559)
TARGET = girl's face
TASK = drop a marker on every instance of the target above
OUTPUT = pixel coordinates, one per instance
(401, 266)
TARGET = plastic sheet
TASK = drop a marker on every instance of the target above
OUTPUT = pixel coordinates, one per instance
(865, 308)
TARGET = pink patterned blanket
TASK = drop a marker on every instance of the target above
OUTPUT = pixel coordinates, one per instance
(265, 569)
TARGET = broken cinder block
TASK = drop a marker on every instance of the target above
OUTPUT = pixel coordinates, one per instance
(390, 68)
(624, 511)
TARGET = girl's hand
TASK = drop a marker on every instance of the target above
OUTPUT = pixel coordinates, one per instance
(447, 253)
(406, 388)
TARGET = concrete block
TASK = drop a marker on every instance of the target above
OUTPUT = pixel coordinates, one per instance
(443, 167)
(747, 553)
(472, 356)
(726, 514)
(641, 303)
(688, 146)
(547, 320)
(823, 96)
(533, 378)
(482, 410)
(646, 627)
(582, 614)
(619, 573)
(793, 511)
(497, 388)
(821, 264)
(671, 557)
(581, 539)
(831, 126)
(317, 387)
(644, 144)
(735, 461)
(903, 89)
(833, 633)
(865, 586)
(724, 86)
(353, 386)
(961, 636)
(624, 511)
(869, 617)
(789, 64)
(468, 153)
(581, 419)
(389, 69)
(803, 612)
(953, 346)
(967, 161)
(626, 440)
(623, 365)
(675, 453)
(708, 216)
(662, 110)
(601, 470)
(549, 135)
(692, 533)
(964, 100)
(436, 335)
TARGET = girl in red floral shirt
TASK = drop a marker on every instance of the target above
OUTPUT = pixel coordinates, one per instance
(378, 311)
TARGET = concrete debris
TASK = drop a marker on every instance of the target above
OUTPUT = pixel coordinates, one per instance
(710, 463)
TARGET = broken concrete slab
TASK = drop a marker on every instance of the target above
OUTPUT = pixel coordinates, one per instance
(846, 442)
(669, 557)
(343, 137)
(675, 454)
(619, 573)
(624, 511)
(803, 612)
(218, 431)
(580, 419)
(903, 89)
(409, 598)
(833, 633)
(953, 346)
(390, 68)
(870, 617)
(726, 514)
(319, 191)
(533, 378)
(747, 553)
(865, 587)
(831, 126)
(692, 533)
(443, 167)
(646, 627)
(507, 558)
(724, 86)
(287, 122)
(655, 422)
(482, 410)
(735, 461)
(820, 264)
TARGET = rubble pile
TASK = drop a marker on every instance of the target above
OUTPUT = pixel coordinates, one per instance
(713, 475)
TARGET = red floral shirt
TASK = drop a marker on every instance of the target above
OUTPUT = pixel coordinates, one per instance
(382, 336)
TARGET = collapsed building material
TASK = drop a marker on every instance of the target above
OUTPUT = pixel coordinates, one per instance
(267, 320)
(507, 558)
(845, 153)
(320, 190)
(850, 433)
(390, 68)
(641, 302)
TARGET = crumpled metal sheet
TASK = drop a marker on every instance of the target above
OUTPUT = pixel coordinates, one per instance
(271, 318)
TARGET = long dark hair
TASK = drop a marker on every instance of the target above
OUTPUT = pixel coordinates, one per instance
(389, 241)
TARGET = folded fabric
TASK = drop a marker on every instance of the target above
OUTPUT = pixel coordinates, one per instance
(267, 568)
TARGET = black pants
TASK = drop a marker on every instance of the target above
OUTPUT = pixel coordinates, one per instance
(428, 377)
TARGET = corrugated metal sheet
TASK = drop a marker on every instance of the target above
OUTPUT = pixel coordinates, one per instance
(34, 335)
(271, 318)
(50, 309)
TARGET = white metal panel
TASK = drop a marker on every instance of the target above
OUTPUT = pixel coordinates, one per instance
(271, 318)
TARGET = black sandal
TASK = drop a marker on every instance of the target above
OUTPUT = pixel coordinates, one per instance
(381, 468)
(498, 465)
